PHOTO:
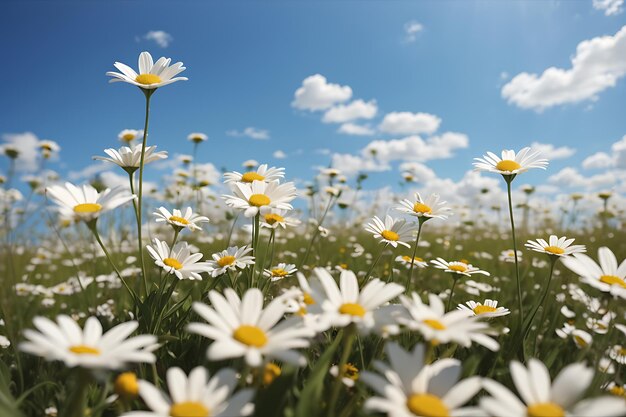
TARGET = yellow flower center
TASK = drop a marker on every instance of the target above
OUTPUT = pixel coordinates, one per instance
(613, 280)
(427, 405)
(389, 235)
(270, 373)
(422, 208)
(250, 335)
(259, 200)
(126, 385)
(173, 263)
(189, 409)
(279, 272)
(251, 176)
(87, 208)
(457, 268)
(128, 137)
(350, 371)
(554, 249)
(225, 261)
(407, 258)
(507, 165)
(545, 410)
(580, 341)
(84, 350)
(147, 79)
(273, 218)
(308, 300)
(180, 220)
(617, 390)
(434, 324)
(622, 352)
(480, 309)
(352, 309)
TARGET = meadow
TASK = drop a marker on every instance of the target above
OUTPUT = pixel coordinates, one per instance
(254, 296)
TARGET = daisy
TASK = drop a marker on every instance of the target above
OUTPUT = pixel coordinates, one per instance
(407, 387)
(618, 354)
(280, 271)
(487, 310)
(196, 395)
(509, 256)
(349, 375)
(262, 173)
(616, 389)
(560, 247)
(607, 277)
(197, 137)
(406, 261)
(152, 75)
(391, 232)
(129, 158)
(345, 304)
(460, 326)
(261, 197)
(277, 218)
(231, 259)
(89, 347)
(86, 203)
(129, 135)
(179, 261)
(425, 209)
(243, 328)
(457, 267)
(177, 220)
(511, 163)
(541, 397)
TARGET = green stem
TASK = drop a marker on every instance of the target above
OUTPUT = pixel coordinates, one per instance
(553, 260)
(375, 262)
(317, 232)
(454, 281)
(508, 180)
(348, 340)
(417, 239)
(77, 402)
(148, 94)
(232, 228)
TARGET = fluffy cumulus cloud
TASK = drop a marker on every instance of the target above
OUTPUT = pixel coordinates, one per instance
(351, 164)
(250, 132)
(356, 129)
(407, 123)
(420, 172)
(27, 144)
(599, 160)
(316, 93)
(160, 37)
(279, 154)
(597, 65)
(414, 148)
(551, 152)
(357, 109)
(411, 30)
(602, 160)
(609, 7)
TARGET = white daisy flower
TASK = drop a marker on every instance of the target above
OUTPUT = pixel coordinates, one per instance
(262, 173)
(618, 354)
(407, 387)
(509, 256)
(437, 326)
(232, 259)
(457, 267)
(616, 389)
(425, 209)
(280, 271)
(406, 261)
(152, 75)
(278, 218)
(555, 246)
(86, 203)
(89, 347)
(349, 375)
(129, 158)
(510, 163)
(607, 277)
(487, 310)
(196, 395)
(176, 219)
(179, 261)
(345, 304)
(129, 135)
(541, 397)
(392, 232)
(243, 328)
(261, 197)
(197, 137)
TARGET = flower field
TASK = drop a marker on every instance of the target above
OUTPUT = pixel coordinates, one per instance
(257, 295)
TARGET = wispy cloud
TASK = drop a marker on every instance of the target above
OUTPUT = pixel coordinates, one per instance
(411, 30)
(251, 132)
(160, 37)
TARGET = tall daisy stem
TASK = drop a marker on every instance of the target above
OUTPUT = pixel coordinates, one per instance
(317, 232)
(530, 319)
(348, 340)
(455, 280)
(509, 179)
(369, 272)
(417, 239)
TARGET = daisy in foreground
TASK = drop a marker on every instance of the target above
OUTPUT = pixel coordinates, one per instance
(89, 347)
(487, 310)
(555, 246)
(179, 261)
(262, 173)
(542, 398)
(607, 277)
(152, 75)
(196, 395)
(86, 203)
(261, 197)
(128, 158)
(425, 209)
(510, 163)
(408, 387)
(180, 221)
(231, 259)
(392, 232)
(457, 267)
(243, 328)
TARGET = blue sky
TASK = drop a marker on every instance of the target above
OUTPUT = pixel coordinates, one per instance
(245, 60)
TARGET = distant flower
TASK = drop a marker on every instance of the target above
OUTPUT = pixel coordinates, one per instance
(261, 197)
(606, 277)
(129, 158)
(509, 255)
(262, 173)
(232, 259)
(280, 271)
(457, 267)
(197, 137)
(487, 310)
(510, 163)
(555, 246)
(392, 231)
(406, 261)
(278, 218)
(349, 375)
(179, 261)
(427, 208)
(176, 219)
(152, 75)
(129, 135)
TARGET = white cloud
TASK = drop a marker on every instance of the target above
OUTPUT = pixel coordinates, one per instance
(619, 151)
(598, 160)
(27, 144)
(610, 7)
(571, 178)
(411, 29)
(251, 132)
(421, 173)
(407, 123)
(317, 94)
(597, 65)
(357, 109)
(551, 152)
(616, 159)
(161, 38)
(414, 148)
(279, 154)
(89, 171)
(355, 129)
(351, 164)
